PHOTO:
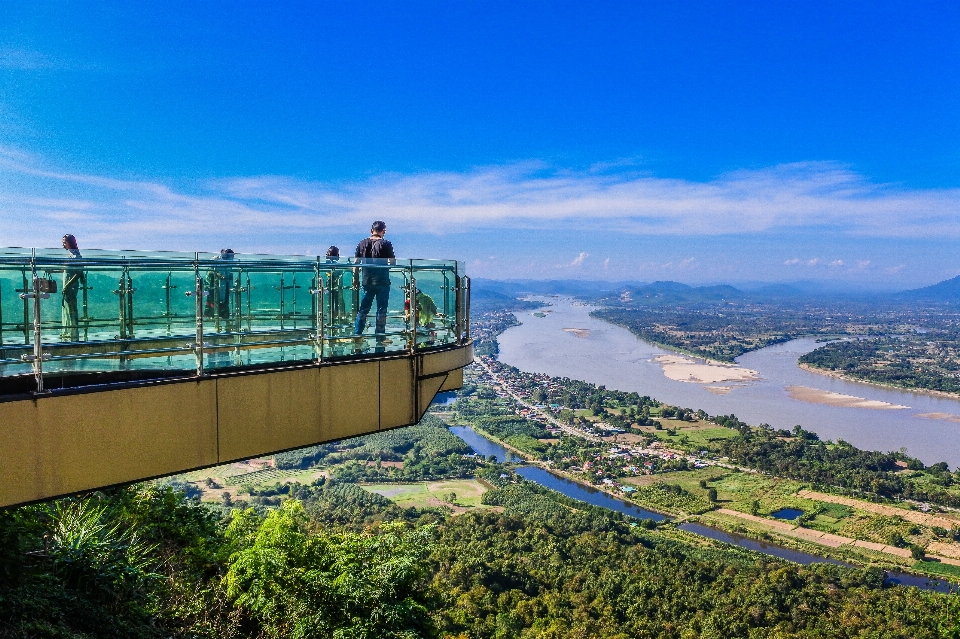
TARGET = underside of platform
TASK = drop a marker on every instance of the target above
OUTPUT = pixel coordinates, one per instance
(94, 437)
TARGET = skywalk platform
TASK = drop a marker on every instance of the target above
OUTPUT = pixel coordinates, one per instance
(150, 364)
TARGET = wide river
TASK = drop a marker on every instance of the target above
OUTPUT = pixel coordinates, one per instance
(613, 356)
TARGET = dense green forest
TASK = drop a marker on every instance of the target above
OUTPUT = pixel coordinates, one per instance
(330, 562)
(922, 361)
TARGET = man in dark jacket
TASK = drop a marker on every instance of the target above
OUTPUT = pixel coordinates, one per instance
(378, 254)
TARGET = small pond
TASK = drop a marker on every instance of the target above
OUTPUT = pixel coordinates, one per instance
(788, 513)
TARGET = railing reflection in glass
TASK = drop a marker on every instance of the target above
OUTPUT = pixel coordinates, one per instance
(200, 312)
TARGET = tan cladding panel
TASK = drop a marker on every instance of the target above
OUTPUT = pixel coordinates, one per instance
(267, 412)
(61, 445)
(397, 398)
(445, 361)
(350, 400)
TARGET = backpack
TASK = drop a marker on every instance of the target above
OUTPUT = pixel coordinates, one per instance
(371, 248)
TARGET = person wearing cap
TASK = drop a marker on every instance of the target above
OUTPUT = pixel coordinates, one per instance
(72, 278)
(375, 279)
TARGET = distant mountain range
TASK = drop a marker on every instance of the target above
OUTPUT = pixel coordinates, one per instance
(669, 291)
(493, 291)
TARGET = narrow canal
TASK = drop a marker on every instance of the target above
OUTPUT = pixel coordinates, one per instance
(483, 446)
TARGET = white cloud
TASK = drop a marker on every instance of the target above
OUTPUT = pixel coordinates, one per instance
(813, 262)
(38, 200)
(792, 262)
(895, 269)
(578, 260)
(836, 263)
(606, 264)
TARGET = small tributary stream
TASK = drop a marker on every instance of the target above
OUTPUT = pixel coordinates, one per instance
(483, 446)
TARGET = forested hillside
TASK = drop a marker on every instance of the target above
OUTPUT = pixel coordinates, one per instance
(335, 563)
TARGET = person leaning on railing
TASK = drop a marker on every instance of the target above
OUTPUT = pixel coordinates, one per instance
(72, 278)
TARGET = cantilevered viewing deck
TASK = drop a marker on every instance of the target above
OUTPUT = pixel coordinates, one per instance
(118, 366)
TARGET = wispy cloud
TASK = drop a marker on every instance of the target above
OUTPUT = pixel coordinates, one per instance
(792, 262)
(578, 260)
(811, 196)
(19, 59)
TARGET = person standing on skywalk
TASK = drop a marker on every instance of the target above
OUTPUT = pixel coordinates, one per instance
(377, 254)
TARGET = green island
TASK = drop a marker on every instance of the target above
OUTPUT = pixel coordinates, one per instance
(920, 361)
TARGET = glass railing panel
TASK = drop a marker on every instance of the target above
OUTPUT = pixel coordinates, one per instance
(436, 304)
(258, 311)
(15, 314)
(128, 310)
(341, 300)
(379, 296)
(112, 313)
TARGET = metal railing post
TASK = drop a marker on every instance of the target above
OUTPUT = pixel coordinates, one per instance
(466, 308)
(458, 307)
(320, 337)
(414, 312)
(36, 295)
(198, 295)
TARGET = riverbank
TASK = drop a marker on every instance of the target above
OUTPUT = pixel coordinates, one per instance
(562, 475)
(855, 380)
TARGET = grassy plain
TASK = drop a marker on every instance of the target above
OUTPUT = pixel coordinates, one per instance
(434, 493)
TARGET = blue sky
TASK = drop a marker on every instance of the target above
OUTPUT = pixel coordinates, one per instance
(701, 142)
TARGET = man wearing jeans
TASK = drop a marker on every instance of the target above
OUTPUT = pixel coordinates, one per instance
(375, 279)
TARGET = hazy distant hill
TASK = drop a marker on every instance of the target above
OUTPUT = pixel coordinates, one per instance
(586, 288)
(483, 298)
(677, 292)
(946, 291)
